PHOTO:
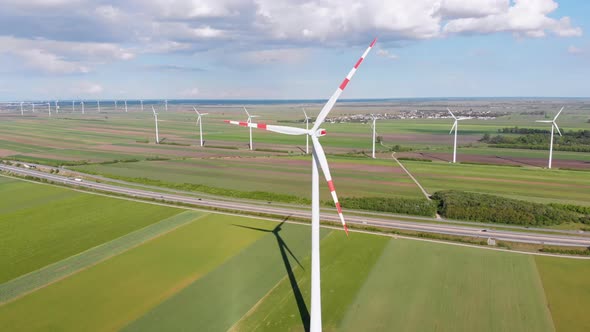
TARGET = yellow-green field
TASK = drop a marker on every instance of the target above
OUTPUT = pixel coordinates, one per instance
(220, 272)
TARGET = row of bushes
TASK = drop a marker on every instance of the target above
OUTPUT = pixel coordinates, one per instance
(419, 207)
(494, 209)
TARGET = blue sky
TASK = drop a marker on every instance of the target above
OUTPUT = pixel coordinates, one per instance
(290, 49)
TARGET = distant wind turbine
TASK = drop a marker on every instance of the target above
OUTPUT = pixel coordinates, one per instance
(82, 104)
(455, 127)
(553, 127)
(33, 109)
(200, 123)
(22, 112)
(319, 157)
(374, 125)
(73, 106)
(115, 105)
(141, 102)
(249, 121)
(98, 104)
(125, 106)
(307, 118)
(156, 120)
(166, 104)
(49, 108)
(56, 107)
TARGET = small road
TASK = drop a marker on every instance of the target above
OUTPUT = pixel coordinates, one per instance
(411, 176)
(456, 230)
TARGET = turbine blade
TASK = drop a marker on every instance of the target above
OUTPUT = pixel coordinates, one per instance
(544, 121)
(245, 110)
(453, 128)
(196, 110)
(453, 115)
(320, 156)
(556, 127)
(153, 110)
(330, 104)
(306, 117)
(277, 129)
(561, 110)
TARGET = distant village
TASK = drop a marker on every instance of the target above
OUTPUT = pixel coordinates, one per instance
(417, 114)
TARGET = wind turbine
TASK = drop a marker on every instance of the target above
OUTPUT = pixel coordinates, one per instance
(33, 110)
(374, 132)
(49, 108)
(200, 123)
(307, 118)
(115, 105)
(141, 102)
(250, 121)
(56, 107)
(166, 104)
(98, 104)
(553, 127)
(82, 103)
(125, 106)
(319, 157)
(156, 119)
(22, 112)
(73, 106)
(455, 127)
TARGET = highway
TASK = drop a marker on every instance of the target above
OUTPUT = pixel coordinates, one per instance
(208, 202)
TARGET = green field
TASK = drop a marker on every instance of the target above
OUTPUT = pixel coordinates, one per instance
(42, 224)
(220, 272)
(525, 183)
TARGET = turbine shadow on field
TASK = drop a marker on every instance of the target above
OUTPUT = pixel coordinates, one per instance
(285, 251)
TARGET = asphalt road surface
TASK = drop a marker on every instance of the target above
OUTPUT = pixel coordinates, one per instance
(207, 202)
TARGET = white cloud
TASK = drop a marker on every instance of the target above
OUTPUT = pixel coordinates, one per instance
(87, 88)
(57, 57)
(387, 54)
(574, 50)
(470, 8)
(524, 18)
(290, 56)
(50, 63)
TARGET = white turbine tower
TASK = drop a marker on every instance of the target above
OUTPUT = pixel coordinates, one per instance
(98, 104)
(455, 127)
(166, 104)
(82, 104)
(553, 127)
(33, 109)
(307, 118)
(156, 120)
(250, 121)
(115, 105)
(49, 108)
(319, 157)
(200, 123)
(141, 102)
(374, 124)
(56, 107)
(125, 106)
(73, 106)
(22, 112)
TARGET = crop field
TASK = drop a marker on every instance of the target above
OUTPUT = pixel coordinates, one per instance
(284, 175)
(525, 183)
(215, 272)
(42, 224)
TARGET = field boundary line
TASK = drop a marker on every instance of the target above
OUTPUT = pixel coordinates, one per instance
(32, 281)
(426, 194)
(547, 306)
